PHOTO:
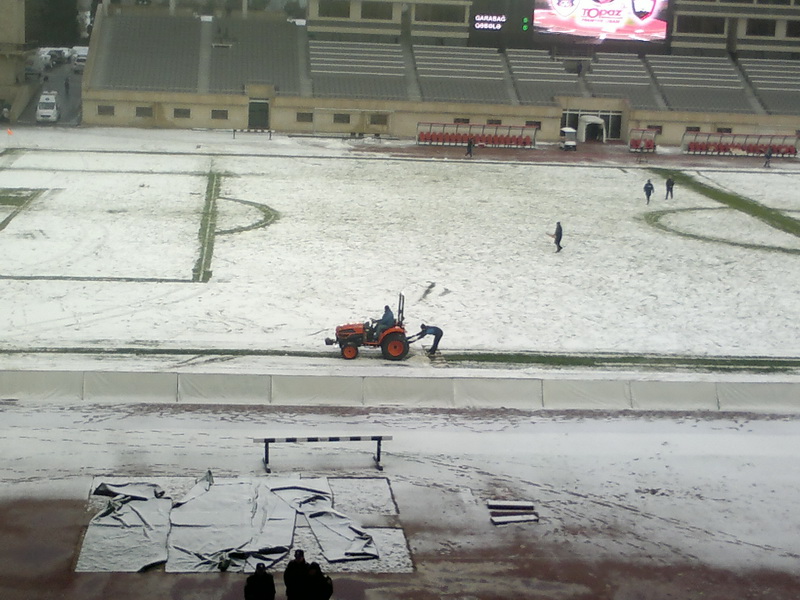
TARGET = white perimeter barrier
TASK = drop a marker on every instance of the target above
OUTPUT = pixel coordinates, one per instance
(424, 392)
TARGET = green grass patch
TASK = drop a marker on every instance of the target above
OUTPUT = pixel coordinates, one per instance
(488, 360)
(654, 219)
(208, 225)
(770, 216)
(16, 197)
(627, 361)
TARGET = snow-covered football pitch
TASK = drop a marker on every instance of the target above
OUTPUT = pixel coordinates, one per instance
(141, 242)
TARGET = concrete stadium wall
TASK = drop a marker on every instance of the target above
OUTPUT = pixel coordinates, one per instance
(419, 392)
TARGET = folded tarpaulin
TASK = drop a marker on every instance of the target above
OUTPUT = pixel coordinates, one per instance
(130, 533)
(339, 538)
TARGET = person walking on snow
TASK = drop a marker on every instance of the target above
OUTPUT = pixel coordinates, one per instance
(557, 236)
(648, 190)
(767, 156)
(670, 185)
(470, 146)
(424, 330)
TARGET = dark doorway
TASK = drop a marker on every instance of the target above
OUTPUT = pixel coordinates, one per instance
(258, 116)
(594, 132)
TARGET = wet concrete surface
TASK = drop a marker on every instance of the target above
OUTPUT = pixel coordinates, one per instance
(39, 541)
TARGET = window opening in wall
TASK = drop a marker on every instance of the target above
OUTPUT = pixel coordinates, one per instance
(792, 28)
(439, 14)
(724, 130)
(144, 111)
(305, 117)
(761, 27)
(692, 129)
(494, 121)
(461, 120)
(341, 118)
(658, 128)
(105, 110)
(182, 113)
(379, 119)
(376, 10)
(533, 124)
(335, 9)
(706, 25)
(219, 113)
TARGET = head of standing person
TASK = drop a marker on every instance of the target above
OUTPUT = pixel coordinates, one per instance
(260, 585)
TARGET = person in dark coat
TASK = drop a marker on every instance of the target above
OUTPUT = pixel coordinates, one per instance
(320, 586)
(767, 156)
(670, 185)
(295, 577)
(260, 585)
(470, 146)
(557, 235)
(424, 330)
(648, 190)
(386, 321)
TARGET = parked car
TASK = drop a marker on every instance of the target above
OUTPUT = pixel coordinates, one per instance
(58, 56)
(47, 108)
(79, 58)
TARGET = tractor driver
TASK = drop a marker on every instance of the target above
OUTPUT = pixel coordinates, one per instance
(386, 321)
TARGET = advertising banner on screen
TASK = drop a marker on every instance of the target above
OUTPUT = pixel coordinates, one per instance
(619, 20)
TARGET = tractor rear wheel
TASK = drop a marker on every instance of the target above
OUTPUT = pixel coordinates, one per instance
(349, 351)
(394, 346)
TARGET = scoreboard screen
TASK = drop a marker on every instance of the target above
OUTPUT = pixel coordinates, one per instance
(600, 20)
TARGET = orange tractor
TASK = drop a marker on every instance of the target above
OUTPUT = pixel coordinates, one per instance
(392, 341)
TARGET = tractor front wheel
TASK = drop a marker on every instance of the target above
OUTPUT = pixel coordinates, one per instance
(394, 346)
(349, 351)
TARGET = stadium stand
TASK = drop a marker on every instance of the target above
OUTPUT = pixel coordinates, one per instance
(456, 74)
(135, 52)
(357, 70)
(246, 62)
(622, 76)
(538, 78)
(700, 83)
(776, 83)
(169, 54)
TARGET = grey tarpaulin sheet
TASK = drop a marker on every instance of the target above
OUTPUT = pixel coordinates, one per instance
(230, 524)
(233, 525)
(130, 534)
(338, 537)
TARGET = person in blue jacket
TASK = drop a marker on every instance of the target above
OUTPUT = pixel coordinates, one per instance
(386, 321)
(424, 330)
(648, 190)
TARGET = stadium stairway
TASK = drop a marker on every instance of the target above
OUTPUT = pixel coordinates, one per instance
(749, 89)
(658, 92)
(509, 81)
(414, 91)
(304, 64)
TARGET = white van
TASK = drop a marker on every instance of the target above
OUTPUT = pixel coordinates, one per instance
(47, 108)
(79, 54)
